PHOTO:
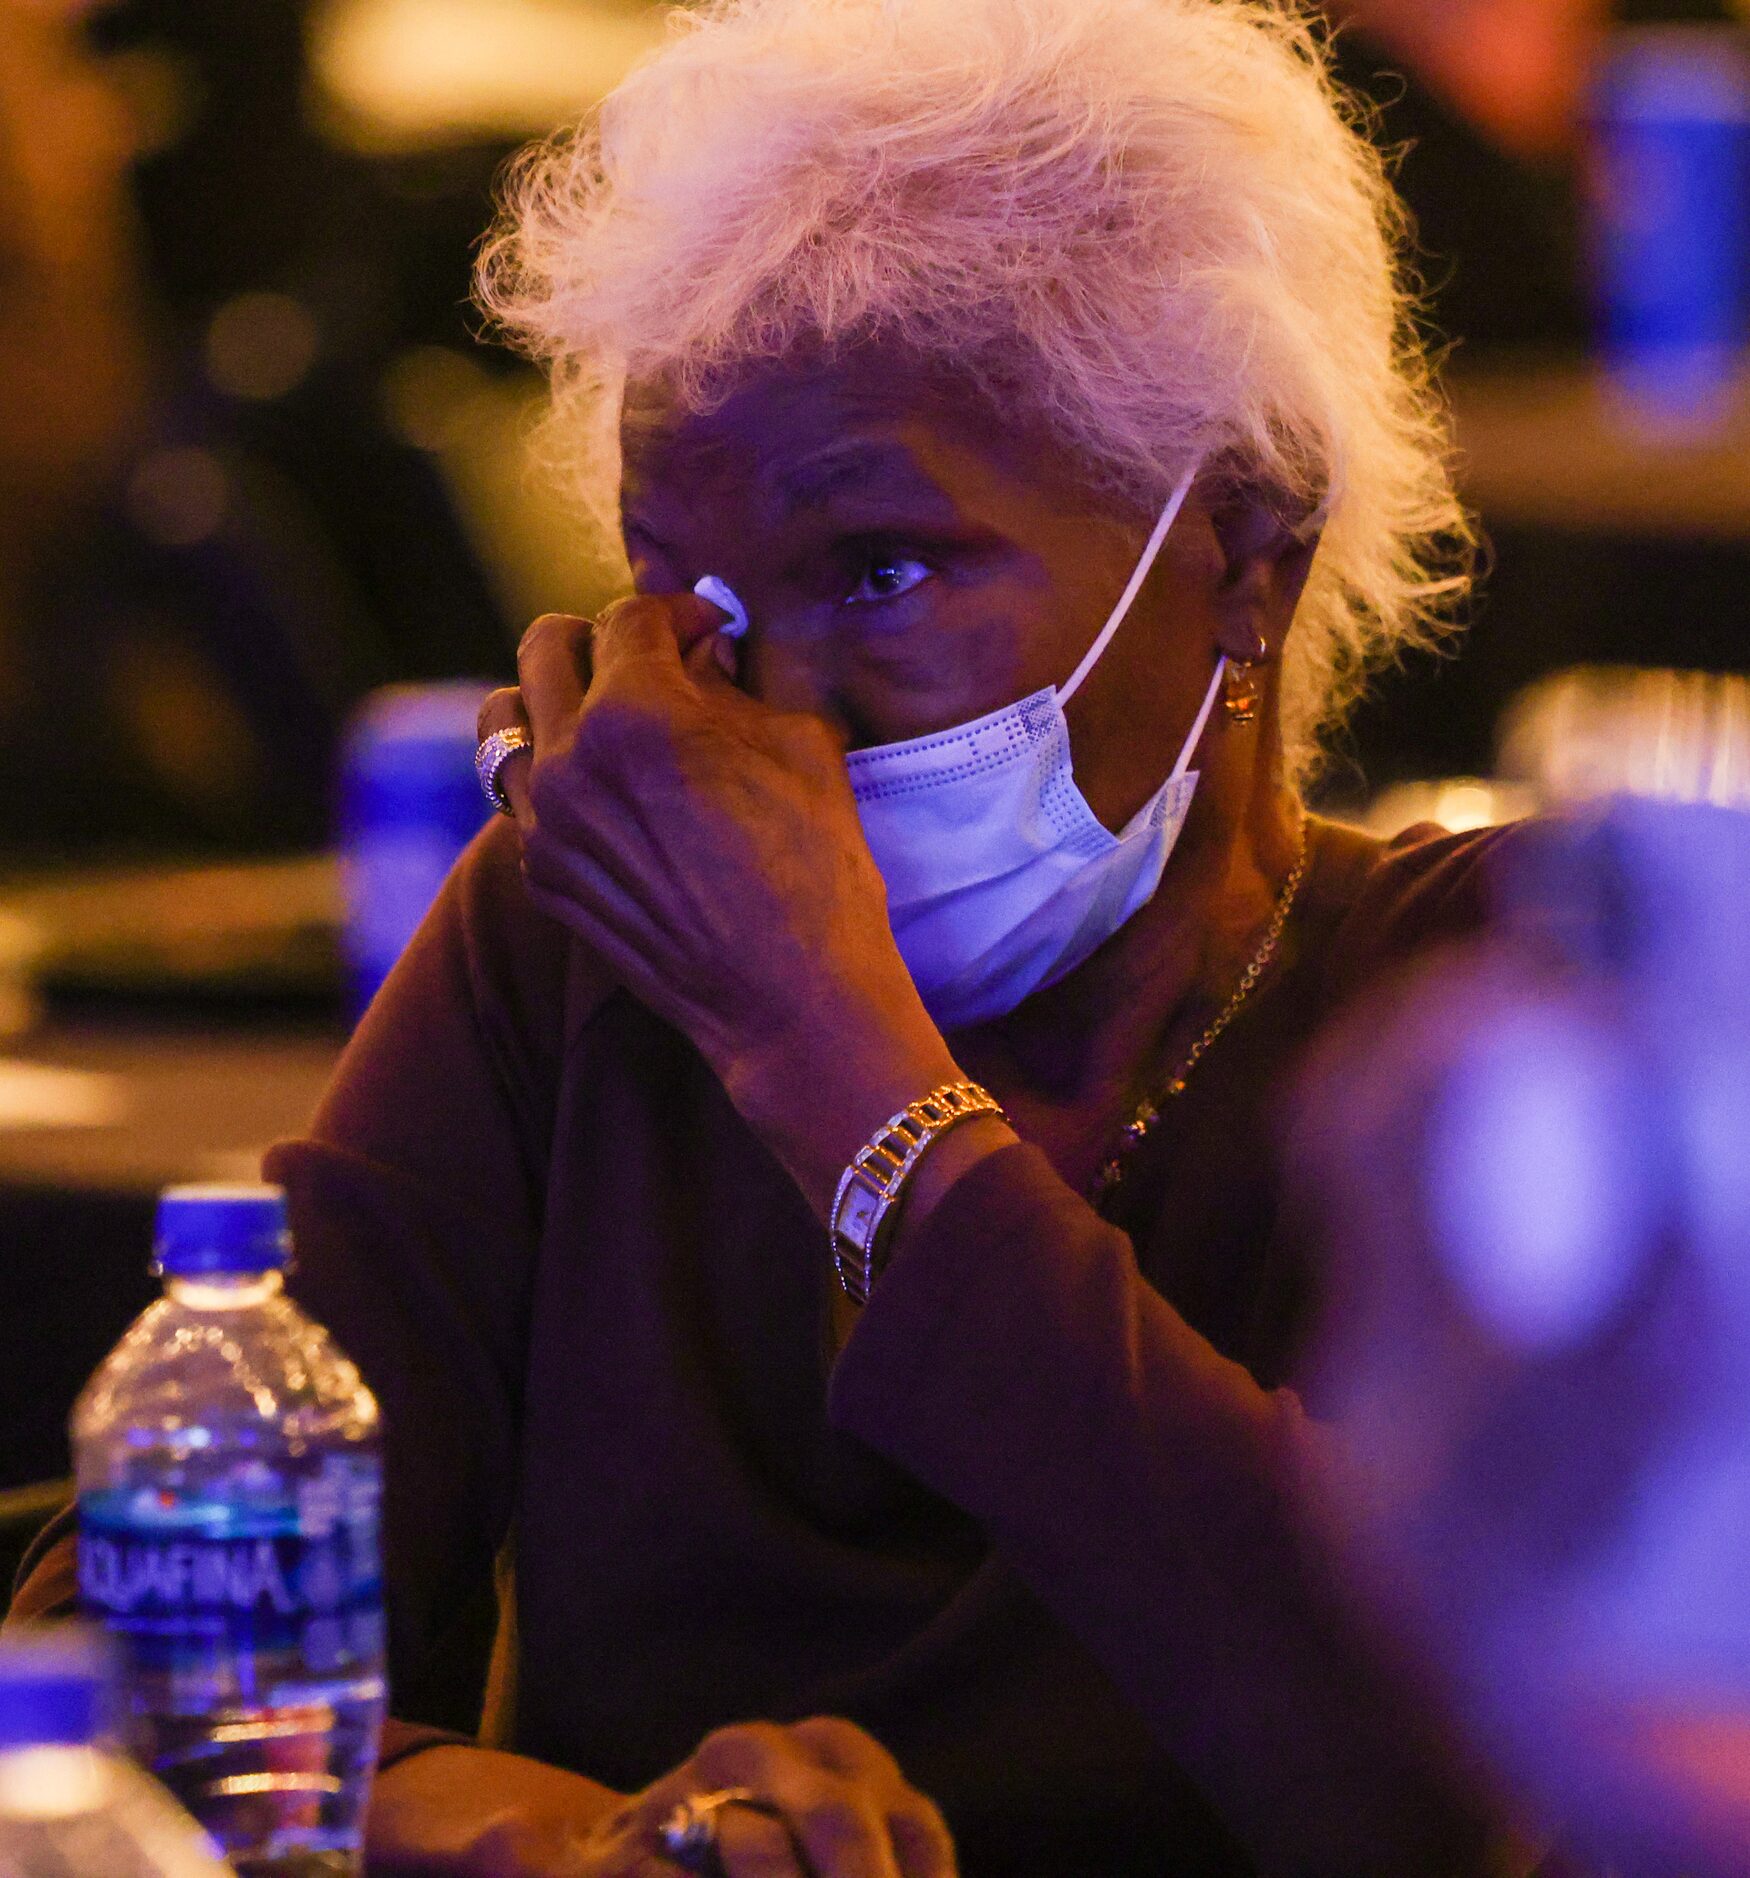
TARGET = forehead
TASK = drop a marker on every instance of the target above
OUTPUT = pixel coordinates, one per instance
(794, 430)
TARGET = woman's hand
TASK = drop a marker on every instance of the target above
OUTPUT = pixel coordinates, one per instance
(469, 1812)
(827, 1801)
(707, 848)
(831, 1803)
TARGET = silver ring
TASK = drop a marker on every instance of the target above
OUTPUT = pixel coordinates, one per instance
(689, 1834)
(494, 752)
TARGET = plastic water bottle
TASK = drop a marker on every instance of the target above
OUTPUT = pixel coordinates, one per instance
(1670, 120)
(70, 1805)
(229, 1480)
(409, 805)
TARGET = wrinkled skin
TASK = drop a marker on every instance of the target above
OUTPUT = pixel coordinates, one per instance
(826, 1800)
(909, 563)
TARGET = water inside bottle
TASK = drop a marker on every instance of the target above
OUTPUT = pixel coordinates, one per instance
(252, 1615)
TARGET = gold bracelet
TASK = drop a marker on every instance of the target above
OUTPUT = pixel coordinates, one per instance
(870, 1188)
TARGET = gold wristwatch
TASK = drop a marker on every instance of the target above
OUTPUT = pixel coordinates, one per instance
(869, 1190)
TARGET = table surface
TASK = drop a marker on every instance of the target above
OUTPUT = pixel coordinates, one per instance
(129, 1109)
(1547, 445)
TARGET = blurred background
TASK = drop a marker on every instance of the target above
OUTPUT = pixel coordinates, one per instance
(268, 524)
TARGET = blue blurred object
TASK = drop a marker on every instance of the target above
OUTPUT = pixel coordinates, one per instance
(57, 1687)
(1671, 244)
(1571, 1141)
(409, 805)
(1537, 1354)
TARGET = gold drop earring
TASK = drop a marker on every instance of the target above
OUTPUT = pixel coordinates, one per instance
(1240, 689)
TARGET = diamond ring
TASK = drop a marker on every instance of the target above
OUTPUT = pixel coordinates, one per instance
(494, 752)
(689, 1834)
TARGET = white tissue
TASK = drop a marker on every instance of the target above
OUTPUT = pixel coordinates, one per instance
(720, 593)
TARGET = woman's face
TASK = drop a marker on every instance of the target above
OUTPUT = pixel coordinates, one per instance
(910, 563)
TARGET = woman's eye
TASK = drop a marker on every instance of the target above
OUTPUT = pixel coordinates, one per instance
(886, 577)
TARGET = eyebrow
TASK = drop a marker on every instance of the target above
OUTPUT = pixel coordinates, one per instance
(814, 480)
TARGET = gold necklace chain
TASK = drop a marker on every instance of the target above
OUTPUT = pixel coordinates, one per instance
(1148, 1112)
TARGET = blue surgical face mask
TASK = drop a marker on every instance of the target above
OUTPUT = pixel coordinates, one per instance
(1000, 878)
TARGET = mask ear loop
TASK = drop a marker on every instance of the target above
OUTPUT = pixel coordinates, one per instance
(1144, 567)
(1202, 724)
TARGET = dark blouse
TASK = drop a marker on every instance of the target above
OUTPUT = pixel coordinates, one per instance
(1031, 1528)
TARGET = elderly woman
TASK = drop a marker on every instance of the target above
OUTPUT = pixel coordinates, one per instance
(1029, 385)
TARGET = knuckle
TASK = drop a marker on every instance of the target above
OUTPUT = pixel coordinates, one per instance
(753, 1845)
(922, 1839)
(835, 1825)
(843, 1745)
(622, 627)
(620, 613)
(728, 1756)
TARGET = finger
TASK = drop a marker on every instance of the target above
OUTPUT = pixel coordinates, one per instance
(752, 1844)
(657, 630)
(601, 862)
(722, 648)
(920, 1837)
(841, 1831)
(837, 1824)
(628, 1842)
(921, 1840)
(847, 1749)
(503, 710)
(714, 663)
(552, 661)
(597, 910)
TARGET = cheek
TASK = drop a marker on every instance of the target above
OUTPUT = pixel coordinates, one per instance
(956, 662)
(653, 572)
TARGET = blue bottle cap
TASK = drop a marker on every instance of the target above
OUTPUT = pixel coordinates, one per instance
(57, 1686)
(214, 1229)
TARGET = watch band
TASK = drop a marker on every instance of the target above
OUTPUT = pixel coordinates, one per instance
(871, 1186)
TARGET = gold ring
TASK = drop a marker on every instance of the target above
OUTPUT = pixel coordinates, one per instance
(494, 752)
(689, 1834)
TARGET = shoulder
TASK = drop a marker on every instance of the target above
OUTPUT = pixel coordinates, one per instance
(1378, 903)
(482, 1005)
(523, 973)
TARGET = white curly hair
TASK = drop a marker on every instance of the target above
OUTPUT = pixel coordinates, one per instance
(1156, 225)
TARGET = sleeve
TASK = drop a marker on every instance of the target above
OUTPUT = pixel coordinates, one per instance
(1014, 1359)
(416, 1203)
